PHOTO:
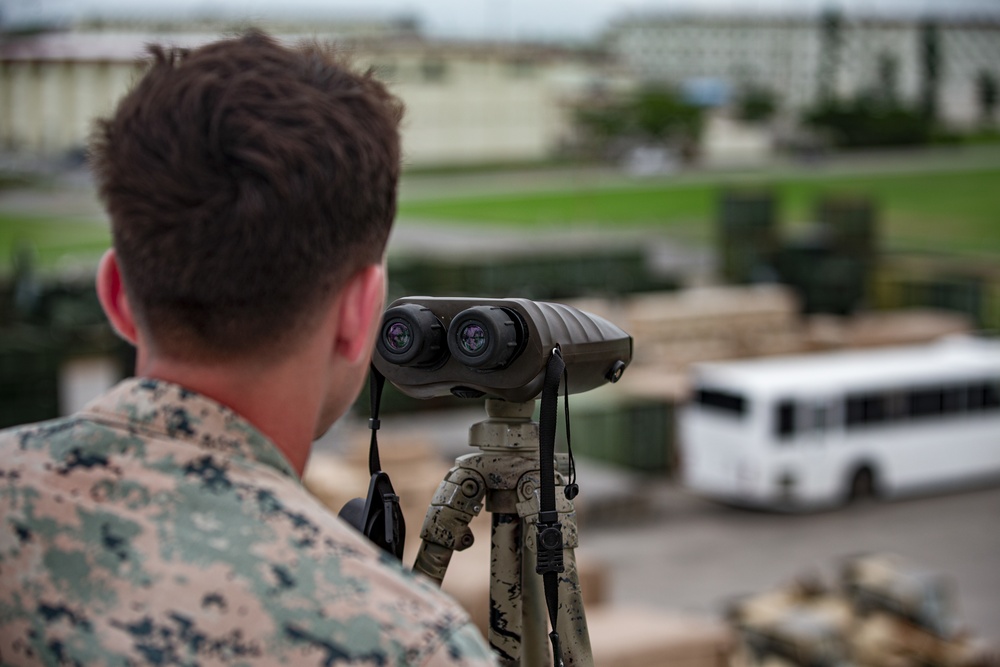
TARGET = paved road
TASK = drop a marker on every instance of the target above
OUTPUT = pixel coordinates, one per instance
(693, 555)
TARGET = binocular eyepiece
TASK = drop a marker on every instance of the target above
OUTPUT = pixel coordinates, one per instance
(469, 347)
(482, 337)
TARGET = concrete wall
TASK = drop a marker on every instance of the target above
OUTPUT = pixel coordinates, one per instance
(465, 103)
(475, 106)
(49, 107)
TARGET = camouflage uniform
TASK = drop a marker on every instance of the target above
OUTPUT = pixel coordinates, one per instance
(159, 527)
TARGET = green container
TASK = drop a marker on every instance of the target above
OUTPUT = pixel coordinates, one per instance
(959, 293)
(29, 376)
(965, 285)
(991, 306)
(555, 275)
(623, 430)
(747, 235)
(850, 225)
(825, 281)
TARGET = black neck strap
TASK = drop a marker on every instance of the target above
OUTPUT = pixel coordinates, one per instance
(550, 542)
(377, 516)
(376, 384)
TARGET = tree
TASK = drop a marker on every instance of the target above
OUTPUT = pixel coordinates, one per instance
(652, 114)
(987, 94)
(930, 67)
(660, 114)
(865, 121)
(602, 122)
(873, 117)
(831, 38)
(888, 79)
(755, 103)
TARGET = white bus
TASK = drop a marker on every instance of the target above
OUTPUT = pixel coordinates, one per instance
(820, 429)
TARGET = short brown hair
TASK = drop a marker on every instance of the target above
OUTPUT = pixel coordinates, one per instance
(245, 180)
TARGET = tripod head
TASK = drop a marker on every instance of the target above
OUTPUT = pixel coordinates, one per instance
(471, 347)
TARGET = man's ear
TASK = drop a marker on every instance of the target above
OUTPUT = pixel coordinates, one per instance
(360, 313)
(111, 292)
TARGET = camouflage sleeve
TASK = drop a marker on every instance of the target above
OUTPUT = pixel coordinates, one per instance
(462, 648)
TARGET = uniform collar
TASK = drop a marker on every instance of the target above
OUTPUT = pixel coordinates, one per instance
(157, 407)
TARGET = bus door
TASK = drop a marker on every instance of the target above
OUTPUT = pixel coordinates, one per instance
(802, 432)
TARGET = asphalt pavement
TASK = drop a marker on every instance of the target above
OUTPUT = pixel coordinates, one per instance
(693, 555)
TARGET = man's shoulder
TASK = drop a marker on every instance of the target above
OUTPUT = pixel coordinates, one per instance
(34, 435)
(316, 587)
(390, 615)
(253, 563)
(54, 439)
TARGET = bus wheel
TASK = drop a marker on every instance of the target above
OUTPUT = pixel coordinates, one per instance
(863, 485)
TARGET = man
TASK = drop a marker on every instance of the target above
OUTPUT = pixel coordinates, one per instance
(251, 189)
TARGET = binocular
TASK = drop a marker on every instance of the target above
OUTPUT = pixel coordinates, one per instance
(470, 347)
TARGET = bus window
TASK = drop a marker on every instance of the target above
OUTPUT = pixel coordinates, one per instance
(820, 418)
(982, 396)
(784, 420)
(864, 409)
(954, 400)
(926, 402)
(722, 401)
(991, 397)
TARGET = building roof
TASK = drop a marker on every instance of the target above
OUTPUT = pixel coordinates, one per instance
(132, 46)
(93, 47)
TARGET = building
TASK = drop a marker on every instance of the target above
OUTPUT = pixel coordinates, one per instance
(469, 102)
(786, 55)
(466, 102)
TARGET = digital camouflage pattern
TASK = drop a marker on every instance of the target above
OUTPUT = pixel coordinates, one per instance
(159, 527)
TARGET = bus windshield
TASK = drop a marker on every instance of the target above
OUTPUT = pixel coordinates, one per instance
(723, 402)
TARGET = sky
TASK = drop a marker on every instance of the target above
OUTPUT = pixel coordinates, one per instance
(555, 20)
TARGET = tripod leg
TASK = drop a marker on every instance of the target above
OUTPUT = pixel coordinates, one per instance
(446, 525)
(572, 622)
(535, 645)
(518, 617)
(505, 589)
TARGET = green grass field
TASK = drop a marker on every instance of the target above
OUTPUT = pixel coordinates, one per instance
(944, 211)
(949, 211)
(56, 241)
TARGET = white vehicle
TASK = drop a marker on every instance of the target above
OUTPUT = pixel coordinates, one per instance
(819, 429)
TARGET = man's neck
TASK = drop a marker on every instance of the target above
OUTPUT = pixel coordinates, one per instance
(277, 399)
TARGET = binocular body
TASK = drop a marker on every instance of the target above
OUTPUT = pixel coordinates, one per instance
(471, 347)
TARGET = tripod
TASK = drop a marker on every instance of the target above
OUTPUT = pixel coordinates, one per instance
(506, 473)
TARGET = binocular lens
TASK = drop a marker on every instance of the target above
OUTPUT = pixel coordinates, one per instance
(473, 338)
(398, 336)
(484, 337)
